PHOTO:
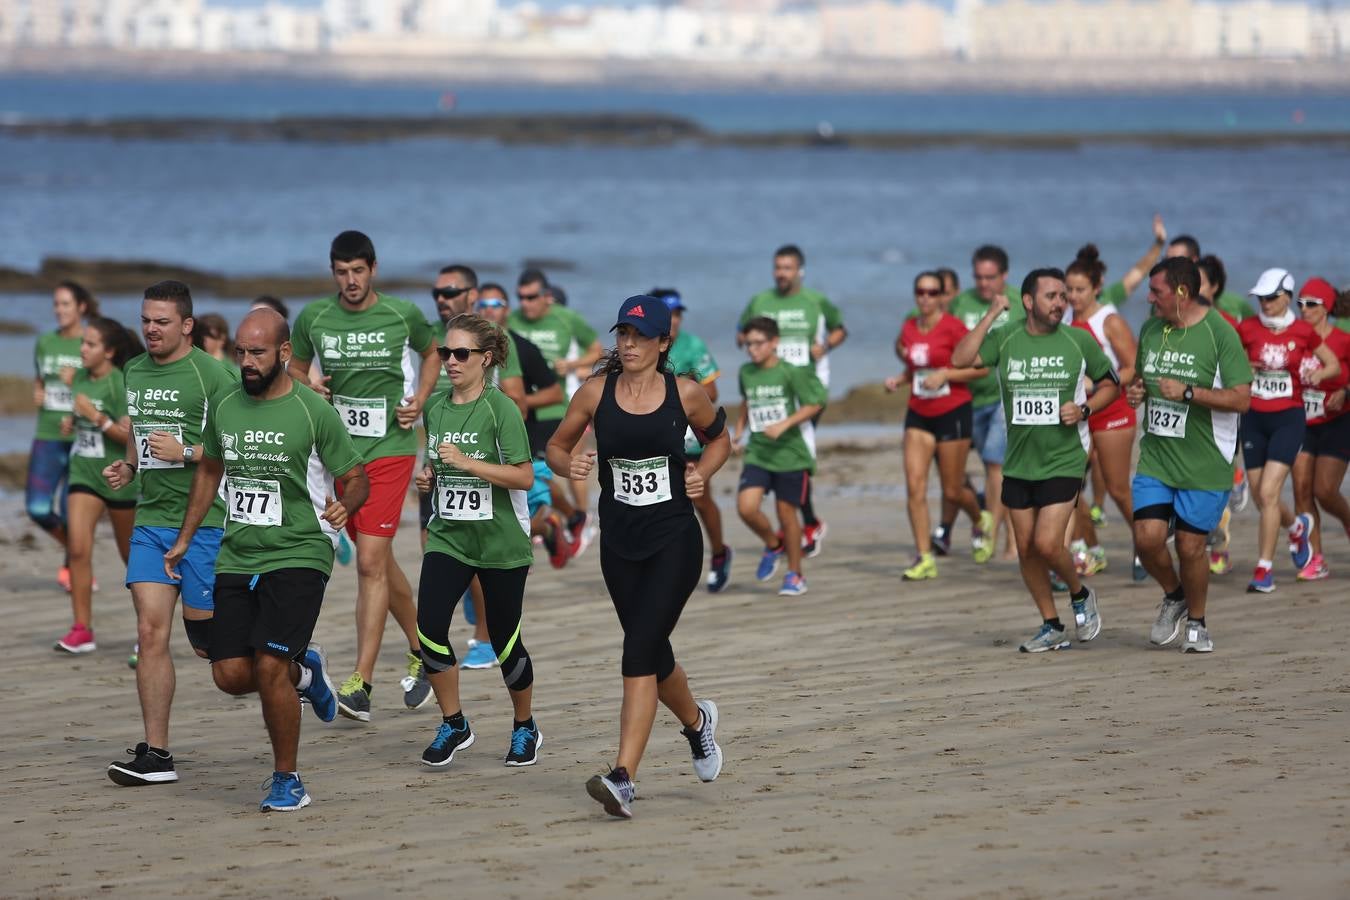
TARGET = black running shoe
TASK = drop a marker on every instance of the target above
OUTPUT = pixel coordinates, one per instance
(146, 767)
(448, 740)
(525, 744)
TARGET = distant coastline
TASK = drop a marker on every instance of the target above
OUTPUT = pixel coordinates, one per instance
(999, 76)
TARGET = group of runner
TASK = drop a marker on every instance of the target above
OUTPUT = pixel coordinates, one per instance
(234, 472)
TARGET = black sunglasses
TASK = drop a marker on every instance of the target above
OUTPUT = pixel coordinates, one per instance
(448, 293)
(460, 353)
(1269, 297)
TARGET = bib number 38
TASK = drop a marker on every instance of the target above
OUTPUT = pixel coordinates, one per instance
(641, 482)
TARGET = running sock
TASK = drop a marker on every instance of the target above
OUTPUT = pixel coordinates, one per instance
(368, 687)
(161, 752)
(455, 721)
(528, 723)
(1176, 596)
(1055, 623)
(1265, 563)
(305, 680)
(1200, 621)
(1081, 595)
(945, 529)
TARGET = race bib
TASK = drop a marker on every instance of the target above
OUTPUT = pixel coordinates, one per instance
(795, 351)
(1167, 418)
(924, 393)
(254, 501)
(1272, 385)
(88, 443)
(461, 498)
(145, 459)
(765, 414)
(363, 416)
(1314, 403)
(641, 482)
(58, 397)
(1035, 407)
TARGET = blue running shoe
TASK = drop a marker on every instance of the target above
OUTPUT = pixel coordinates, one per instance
(321, 694)
(441, 751)
(1057, 583)
(480, 656)
(466, 602)
(768, 563)
(344, 549)
(287, 794)
(720, 571)
(1263, 581)
(794, 585)
(1299, 548)
(1138, 572)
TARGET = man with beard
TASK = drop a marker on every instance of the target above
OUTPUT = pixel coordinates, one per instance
(277, 445)
(170, 389)
(379, 367)
(1041, 369)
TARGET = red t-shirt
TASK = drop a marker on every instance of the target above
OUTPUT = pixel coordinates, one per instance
(1314, 397)
(1276, 359)
(933, 350)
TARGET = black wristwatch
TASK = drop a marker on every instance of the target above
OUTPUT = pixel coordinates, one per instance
(1086, 410)
(1189, 394)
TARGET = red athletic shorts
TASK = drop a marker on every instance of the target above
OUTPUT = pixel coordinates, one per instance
(389, 479)
(1114, 417)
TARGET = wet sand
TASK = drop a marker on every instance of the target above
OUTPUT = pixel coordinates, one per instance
(881, 740)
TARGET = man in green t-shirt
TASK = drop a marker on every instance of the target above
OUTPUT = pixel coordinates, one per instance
(989, 433)
(809, 327)
(379, 367)
(1195, 377)
(778, 403)
(1187, 247)
(689, 357)
(1041, 367)
(572, 347)
(277, 445)
(170, 389)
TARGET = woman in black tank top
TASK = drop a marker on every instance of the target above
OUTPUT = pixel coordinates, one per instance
(651, 546)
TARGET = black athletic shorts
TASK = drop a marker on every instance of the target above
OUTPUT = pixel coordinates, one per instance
(1323, 439)
(790, 487)
(274, 612)
(1272, 436)
(953, 425)
(111, 504)
(1019, 493)
(540, 433)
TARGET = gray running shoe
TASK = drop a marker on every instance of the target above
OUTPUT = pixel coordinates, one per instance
(1171, 615)
(353, 701)
(1197, 639)
(1047, 638)
(416, 688)
(615, 792)
(703, 743)
(1087, 621)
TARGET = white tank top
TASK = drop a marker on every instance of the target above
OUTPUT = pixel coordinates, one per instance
(1097, 325)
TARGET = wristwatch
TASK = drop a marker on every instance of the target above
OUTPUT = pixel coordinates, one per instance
(1086, 410)
(1189, 394)
(188, 453)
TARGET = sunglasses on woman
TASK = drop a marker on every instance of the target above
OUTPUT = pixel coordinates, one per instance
(460, 353)
(1304, 304)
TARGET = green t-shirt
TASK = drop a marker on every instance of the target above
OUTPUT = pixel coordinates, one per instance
(280, 457)
(689, 357)
(1342, 324)
(375, 359)
(1186, 445)
(1235, 305)
(803, 318)
(1114, 294)
(559, 333)
(1038, 374)
(970, 308)
(511, 369)
(473, 520)
(52, 354)
(174, 397)
(772, 394)
(93, 450)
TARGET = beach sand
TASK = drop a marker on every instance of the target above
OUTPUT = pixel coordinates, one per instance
(881, 740)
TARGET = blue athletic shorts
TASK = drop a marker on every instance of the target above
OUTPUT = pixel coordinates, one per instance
(539, 493)
(198, 568)
(1195, 511)
(989, 433)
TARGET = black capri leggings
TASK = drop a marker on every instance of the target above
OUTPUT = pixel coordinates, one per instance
(649, 595)
(444, 580)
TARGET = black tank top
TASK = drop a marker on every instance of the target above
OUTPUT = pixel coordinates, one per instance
(641, 461)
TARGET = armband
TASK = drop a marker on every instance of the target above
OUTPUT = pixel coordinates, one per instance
(715, 428)
(1113, 376)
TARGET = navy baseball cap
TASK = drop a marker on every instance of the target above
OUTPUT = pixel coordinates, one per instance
(650, 316)
(670, 297)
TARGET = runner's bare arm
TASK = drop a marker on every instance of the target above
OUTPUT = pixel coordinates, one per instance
(406, 413)
(803, 414)
(513, 477)
(355, 490)
(967, 351)
(1331, 366)
(1234, 399)
(302, 371)
(118, 430)
(1139, 271)
(961, 376)
(582, 363)
(1126, 348)
(572, 427)
(514, 387)
(205, 484)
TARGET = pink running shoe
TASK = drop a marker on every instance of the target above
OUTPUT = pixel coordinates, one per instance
(78, 640)
(1315, 570)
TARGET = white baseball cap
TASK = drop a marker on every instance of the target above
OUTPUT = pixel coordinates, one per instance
(1271, 282)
